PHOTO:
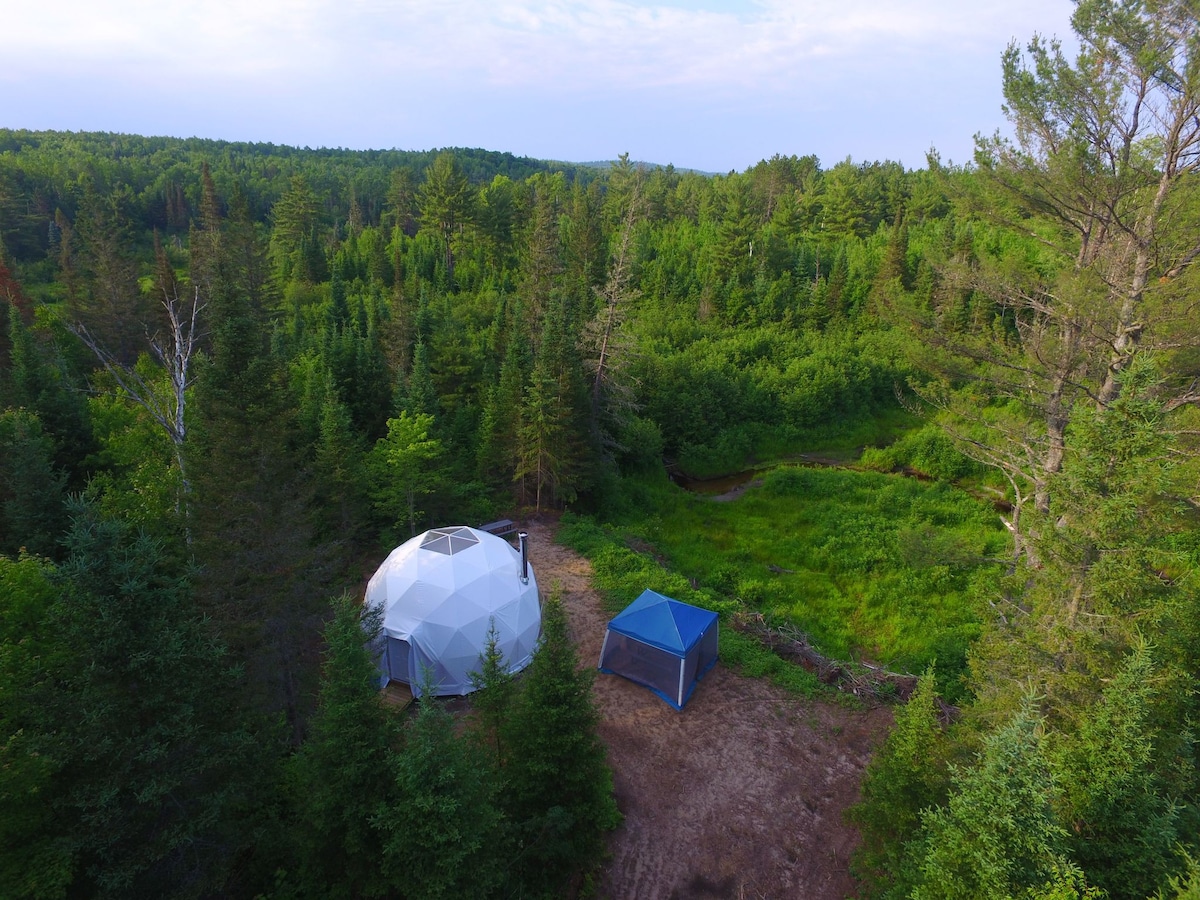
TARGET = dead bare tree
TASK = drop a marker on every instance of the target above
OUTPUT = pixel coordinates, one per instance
(175, 349)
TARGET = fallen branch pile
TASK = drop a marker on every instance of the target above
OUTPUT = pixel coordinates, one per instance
(859, 678)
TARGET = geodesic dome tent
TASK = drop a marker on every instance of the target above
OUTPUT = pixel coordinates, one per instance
(664, 644)
(440, 593)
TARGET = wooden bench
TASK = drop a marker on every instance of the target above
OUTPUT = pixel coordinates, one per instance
(500, 527)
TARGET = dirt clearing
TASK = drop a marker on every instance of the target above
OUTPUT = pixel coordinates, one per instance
(739, 795)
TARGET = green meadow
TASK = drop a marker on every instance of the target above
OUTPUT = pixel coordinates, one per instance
(870, 566)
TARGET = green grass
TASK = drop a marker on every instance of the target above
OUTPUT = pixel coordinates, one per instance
(870, 566)
(621, 573)
(755, 444)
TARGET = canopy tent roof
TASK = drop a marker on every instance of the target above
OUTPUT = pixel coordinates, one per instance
(440, 593)
(662, 643)
(663, 622)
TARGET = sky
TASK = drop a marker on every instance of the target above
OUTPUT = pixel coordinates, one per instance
(714, 85)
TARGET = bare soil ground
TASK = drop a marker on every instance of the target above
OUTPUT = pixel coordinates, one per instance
(739, 795)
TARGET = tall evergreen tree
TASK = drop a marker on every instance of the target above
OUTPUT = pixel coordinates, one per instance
(40, 380)
(132, 710)
(295, 248)
(442, 829)
(495, 218)
(111, 306)
(446, 203)
(32, 489)
(35, 861)
(344, 770)
(560, 795)
(494, 687)
(1123, 829)
(906, 776)
(998, 836)
(263, 571)
(541, 260)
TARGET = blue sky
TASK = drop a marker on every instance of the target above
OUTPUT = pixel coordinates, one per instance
(703, 84)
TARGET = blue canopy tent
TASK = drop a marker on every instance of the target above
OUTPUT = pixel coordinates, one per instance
(663, 644)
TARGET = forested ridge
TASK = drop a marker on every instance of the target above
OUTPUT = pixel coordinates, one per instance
(234, 375)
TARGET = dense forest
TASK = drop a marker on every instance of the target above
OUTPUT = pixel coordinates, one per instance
(234, 375)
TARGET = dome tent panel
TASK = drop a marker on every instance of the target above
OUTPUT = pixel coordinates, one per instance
(440, 593)
(662, 644)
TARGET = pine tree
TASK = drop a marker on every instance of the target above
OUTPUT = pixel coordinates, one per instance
(35, 862)
(400, 209)
(541, 262)
(584, 238)
(496, 456)
(551, 436)
(1123, 827)
(339, 469)
(263, 571)
(111, 307)
(11, 293)
(205, 237)
(446, 202)
(32, 490)
(541, 438)
(495, 217)
(420, 397)
(295, 250)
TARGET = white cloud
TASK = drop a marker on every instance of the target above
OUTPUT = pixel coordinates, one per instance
(516, 75)
(568, 44)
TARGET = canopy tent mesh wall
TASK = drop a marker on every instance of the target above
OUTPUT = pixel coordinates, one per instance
(440, 593)
(662, 643)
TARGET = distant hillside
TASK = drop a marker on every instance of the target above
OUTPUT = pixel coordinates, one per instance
(160, 177)
(605, 164)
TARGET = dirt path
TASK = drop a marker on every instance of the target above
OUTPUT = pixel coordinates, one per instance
(739, 795)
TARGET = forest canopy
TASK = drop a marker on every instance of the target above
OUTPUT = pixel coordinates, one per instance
(231, 375)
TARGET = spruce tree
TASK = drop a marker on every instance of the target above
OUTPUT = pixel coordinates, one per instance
(998, 835)
(130, 710)
(1123, 826)
(35, 862)
(446, 202)
(32, 490)
(560, 792)
(442, 831)
(906, 776)
(493, 697)
(39, 380)
(263, 570)
(344, 770)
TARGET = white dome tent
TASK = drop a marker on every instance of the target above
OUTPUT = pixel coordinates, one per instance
(440, 593)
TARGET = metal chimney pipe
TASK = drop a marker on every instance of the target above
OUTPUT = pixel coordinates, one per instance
(524, 539)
